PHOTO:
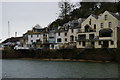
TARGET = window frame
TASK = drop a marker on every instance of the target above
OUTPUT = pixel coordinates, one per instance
(101, 25)
(65, 39)
(109, 24)
(72, 30)
(106, 17)
(31, 35)
(59, 34)
(65, 34)
(99, 42)
(112, 42)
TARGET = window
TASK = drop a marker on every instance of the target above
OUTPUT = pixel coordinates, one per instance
(43, 34)
(58, 34)
(83, 44)
(110, 24)
(65, 34)
(72, 30)
(106, 17)
(75, 37)
(112, 42)
(37, 35)
(87, 28)
(31, 35)
(101, 25)
(71, 38)
(79, 43)
(94, 26)
(82, 37)
(105, 33)
(91, 36)
(90, 22)
(32, 41)
(99, 42)
(65, 39)
(38, 40)
(59, 40)
(30, 45)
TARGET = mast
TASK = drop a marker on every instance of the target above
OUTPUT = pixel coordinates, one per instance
(8, 29)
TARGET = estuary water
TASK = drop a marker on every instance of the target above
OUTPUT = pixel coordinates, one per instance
(57, 69)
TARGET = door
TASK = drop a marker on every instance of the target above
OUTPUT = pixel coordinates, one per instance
(92, 44)
(105, 44)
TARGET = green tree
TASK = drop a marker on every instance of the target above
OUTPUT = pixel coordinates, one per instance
(118, 7)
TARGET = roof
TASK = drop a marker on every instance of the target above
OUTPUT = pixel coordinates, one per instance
(61, 30)
(37, 26)
(12, 39)
(116, 15)
(96, 17)
(31, 32)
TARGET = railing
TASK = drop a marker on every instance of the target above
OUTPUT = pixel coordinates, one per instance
(82, 31)
(84, 39)
(105, 38)
(81, 39)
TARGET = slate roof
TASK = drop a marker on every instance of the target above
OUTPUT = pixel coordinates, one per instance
(115, 15)
(12, 39)
(37, 26)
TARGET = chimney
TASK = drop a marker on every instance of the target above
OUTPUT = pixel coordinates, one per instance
(15, 34)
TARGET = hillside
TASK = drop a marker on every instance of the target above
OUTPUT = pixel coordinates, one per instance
(87, 8)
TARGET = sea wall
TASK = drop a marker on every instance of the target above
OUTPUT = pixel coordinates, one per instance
(86, 54)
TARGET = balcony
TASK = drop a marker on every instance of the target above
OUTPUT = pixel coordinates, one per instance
(45, 42)
(105, 38)
(86, 31)
(51, 35)
(105, 33)
(90, 39)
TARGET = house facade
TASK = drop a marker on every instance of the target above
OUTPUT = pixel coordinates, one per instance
(99, 32)
(61, 38)
(33, 38)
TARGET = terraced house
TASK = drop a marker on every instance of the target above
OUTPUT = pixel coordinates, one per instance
(100, 31)
(67, 34)
(33, 38)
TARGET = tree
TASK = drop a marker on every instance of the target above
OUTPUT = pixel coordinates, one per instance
(118, 7)
(65, 8)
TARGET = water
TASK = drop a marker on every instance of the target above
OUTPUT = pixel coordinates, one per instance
(57, 69)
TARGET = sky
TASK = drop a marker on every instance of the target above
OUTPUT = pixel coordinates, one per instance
(25, 15)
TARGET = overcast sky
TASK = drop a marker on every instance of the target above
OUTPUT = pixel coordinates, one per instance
(24, 15)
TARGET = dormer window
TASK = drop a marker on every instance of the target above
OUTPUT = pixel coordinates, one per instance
(106, 17)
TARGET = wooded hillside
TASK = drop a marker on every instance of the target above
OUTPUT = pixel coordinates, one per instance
(83, 11)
